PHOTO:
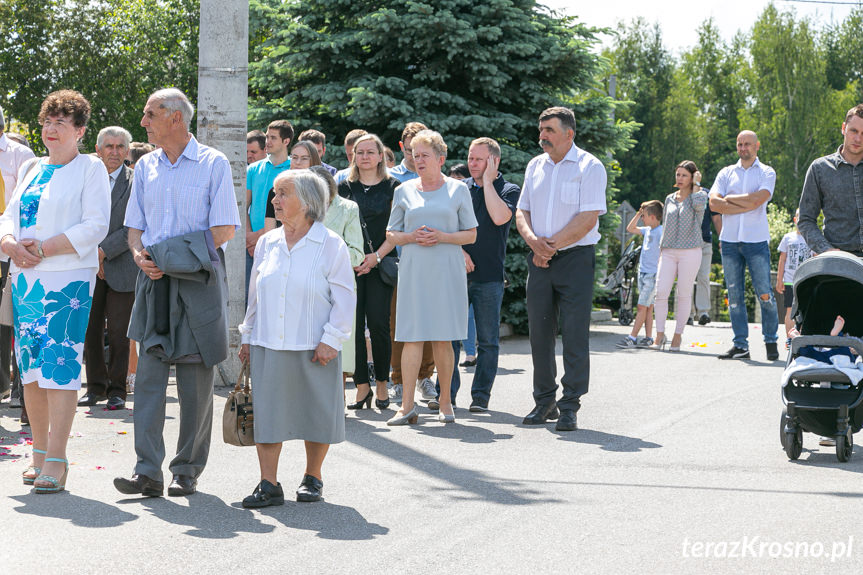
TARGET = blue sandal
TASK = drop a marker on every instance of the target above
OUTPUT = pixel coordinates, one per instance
(31, 473)
(56, 485)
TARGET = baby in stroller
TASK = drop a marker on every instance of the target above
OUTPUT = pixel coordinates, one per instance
(823, 354)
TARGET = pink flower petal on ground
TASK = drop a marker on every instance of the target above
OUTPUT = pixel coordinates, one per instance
(23, 433)
(110, 423)
(99, 467)
(114, 451)
(88, 412)
(122, 432)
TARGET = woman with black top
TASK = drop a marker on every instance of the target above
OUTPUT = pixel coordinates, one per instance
(369, 185)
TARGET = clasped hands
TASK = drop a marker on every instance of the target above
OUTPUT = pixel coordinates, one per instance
(24, 253)
(543, 250)
(426, 236)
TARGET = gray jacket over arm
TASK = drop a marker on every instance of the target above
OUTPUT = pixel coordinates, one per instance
(196, 302)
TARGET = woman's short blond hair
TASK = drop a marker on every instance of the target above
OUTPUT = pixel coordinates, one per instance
(431, 139)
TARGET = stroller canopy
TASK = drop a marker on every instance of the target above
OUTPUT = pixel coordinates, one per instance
(826, 286)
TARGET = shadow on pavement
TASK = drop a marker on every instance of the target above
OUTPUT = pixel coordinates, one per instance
(826, 457)
(478, 484)
(336, 522)
(80, 511)
(207, 516)
(606, 441)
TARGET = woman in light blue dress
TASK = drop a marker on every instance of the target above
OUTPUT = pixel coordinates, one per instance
(51, 231)
(432, 217)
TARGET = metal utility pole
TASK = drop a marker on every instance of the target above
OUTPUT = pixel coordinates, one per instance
(223, 80)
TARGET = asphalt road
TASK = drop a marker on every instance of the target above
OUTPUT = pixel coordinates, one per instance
(676, 468)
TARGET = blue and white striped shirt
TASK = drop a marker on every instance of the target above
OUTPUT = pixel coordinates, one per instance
(194, 194)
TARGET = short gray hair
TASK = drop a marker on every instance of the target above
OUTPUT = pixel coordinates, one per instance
(114, 132)
(173, 100)
(310, 190)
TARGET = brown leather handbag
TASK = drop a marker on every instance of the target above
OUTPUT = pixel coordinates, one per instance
(238, 420)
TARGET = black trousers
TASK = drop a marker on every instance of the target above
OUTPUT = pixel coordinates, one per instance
(5, 338)
(561, 295)
(116, 307)
(373, 309)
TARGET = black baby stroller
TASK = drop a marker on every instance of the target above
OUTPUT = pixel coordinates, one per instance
(620, 281)
(824, 287)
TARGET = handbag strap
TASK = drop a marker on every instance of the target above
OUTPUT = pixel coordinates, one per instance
(243, 383)
(362, 220)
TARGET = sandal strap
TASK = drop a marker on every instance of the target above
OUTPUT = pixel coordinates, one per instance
(57, 459)
(42, 451)
(49, 479)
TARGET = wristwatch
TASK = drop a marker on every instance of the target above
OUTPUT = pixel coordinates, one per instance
(378, 256)
(39, 249)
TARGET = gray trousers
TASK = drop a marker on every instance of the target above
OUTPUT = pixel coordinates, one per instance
(561, 295)
(701, 301)
(195, 392)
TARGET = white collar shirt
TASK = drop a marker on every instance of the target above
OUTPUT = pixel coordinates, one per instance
(12, 157)
(302, 296)
(555, 193)
(735, 180)
(114, 175)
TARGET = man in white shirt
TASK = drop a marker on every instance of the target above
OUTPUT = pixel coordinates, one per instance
(12, 157)
(740, 193)
(558, 216)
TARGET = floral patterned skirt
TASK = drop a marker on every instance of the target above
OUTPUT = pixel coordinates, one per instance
(51, 311)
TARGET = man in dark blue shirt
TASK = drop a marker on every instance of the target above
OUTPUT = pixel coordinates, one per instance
(494, 202)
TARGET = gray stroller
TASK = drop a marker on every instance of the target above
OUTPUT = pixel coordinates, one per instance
(824, 400)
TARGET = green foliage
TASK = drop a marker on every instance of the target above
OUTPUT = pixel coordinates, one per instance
(784, 79)
(115, 52)
(780, 222)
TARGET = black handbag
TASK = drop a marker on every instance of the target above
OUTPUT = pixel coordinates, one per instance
(389, 266)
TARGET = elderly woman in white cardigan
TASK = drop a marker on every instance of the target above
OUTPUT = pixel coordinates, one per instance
(51, 231)
(301, 306)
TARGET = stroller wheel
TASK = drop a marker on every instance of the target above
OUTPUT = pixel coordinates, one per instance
(782, 427)
(794, 444)
(624, 317)
(844, 446)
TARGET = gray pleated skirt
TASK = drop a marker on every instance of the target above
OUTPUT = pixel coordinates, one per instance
(294, 398)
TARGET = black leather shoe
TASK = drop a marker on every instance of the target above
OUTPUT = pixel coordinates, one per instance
(567, 420)
(90, 399)
(116, 402)
(541, 414)
(265, 494)
(139, 484)
(310, 489)
(772, 351)
(182, 485)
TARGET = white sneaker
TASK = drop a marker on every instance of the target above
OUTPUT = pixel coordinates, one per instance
(394, 391)
(426, 387)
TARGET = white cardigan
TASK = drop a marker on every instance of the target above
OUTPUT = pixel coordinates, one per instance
(76, 202)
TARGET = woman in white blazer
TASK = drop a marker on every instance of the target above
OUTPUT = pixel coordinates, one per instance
(51, 231)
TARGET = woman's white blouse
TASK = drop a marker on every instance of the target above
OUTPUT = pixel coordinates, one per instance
(300, 297)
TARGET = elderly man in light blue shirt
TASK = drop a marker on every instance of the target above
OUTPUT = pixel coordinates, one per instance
(182, 187)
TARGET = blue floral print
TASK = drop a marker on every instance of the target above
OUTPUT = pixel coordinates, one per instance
(28, 306)
(60, 364)
(71, 308)
(33, 194)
